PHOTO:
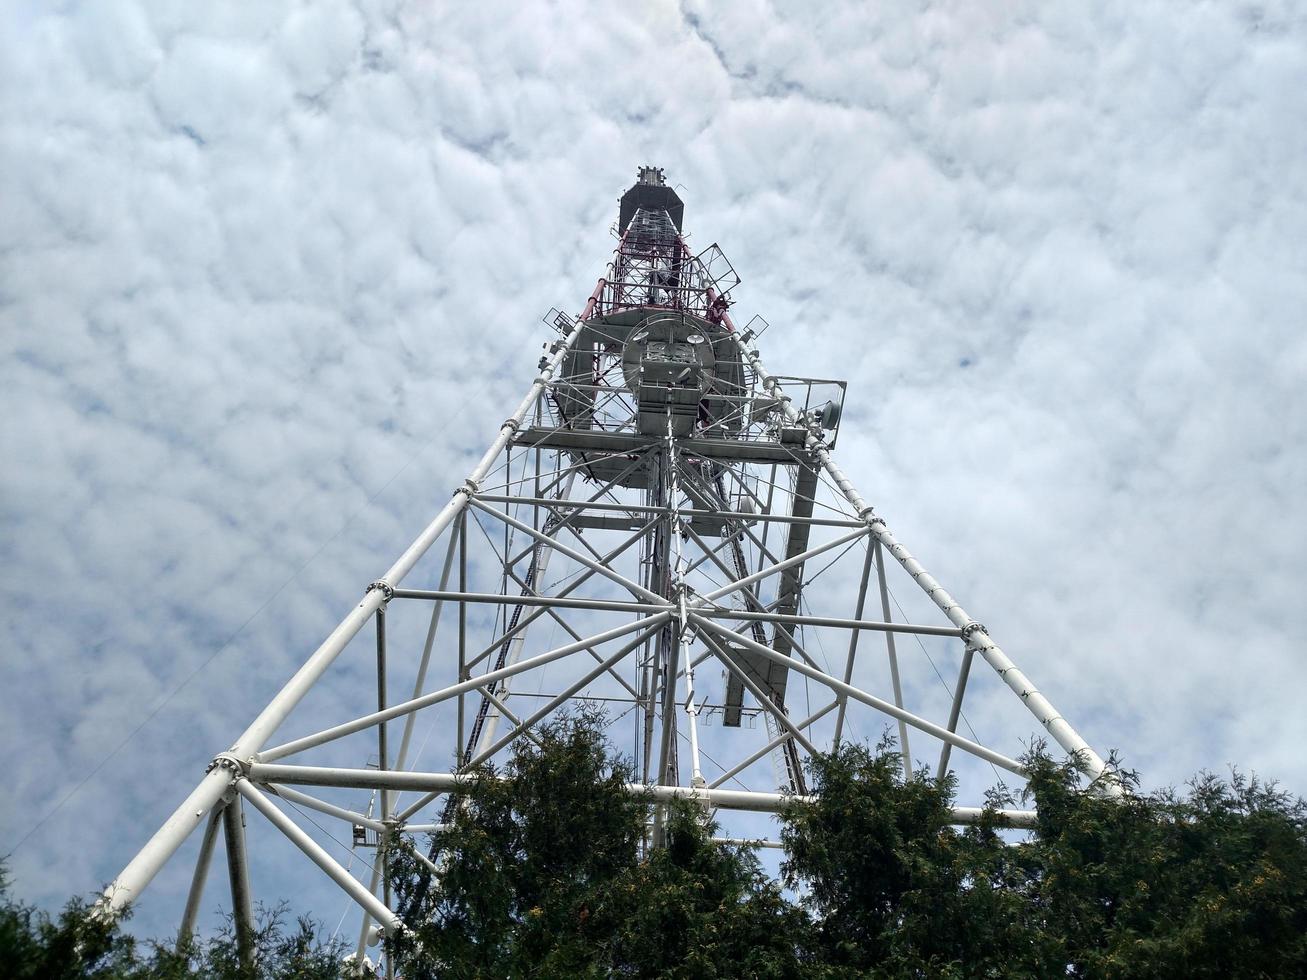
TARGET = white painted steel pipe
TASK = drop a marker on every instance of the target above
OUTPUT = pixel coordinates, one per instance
(739, 767)
(201, 875)
(895, 685)
(541, 562)
(140, 871)
(780, 566)
(835, 622)
(1038, 705)
(334, 870)
(444, 694)
(498, 599)
(238, 873)
(489, 751)
(444, 782)
(989, 755)
(604, 665)
(978, 639)
(420, 682)
(955, 709)
(330, 809)
(131, 881)
(764, 700)
(580, 557)
(861, 603)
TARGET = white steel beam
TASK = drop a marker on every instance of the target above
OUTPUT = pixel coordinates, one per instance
(580, 558)
(447, 782)
(739, 767)
(201, 875)
(330, 809)
(540, 713)
(335, 871)
(974, 632)
(436, 697)
(781, 566)
(997, 758)
(140, 871)
(238, 872)
(895, 685)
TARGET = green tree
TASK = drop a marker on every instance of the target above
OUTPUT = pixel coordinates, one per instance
(78, 944)
(542, 874)
(893, 888)
(1211, 883)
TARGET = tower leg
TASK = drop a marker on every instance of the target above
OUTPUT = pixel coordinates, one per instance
(893, 659)
(196, 894)
(141, 870)
(238, 871)
(955, 710)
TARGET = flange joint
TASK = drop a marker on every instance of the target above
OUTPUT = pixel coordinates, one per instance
(386, 589)
(225, 760)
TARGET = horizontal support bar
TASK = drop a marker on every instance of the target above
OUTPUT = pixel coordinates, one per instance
(495, 598)
(597, 440)
(443, 782)
(736, 515)
(616, 605)
(859, 624)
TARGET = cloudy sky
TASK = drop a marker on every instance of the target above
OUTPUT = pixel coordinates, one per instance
(271, 275)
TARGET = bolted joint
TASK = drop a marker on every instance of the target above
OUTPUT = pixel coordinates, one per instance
(511, 424)
(469, 487)
(225, 760)
(544, 363)
(869, 515)
(387, 591)
(971, 629)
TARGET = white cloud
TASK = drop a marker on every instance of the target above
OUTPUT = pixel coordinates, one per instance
(253, 261)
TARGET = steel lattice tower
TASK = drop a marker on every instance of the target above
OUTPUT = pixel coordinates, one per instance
(659, 527)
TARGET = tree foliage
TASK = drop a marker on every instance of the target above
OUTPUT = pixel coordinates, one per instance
(544, 872)
(77, 943)
(1210, 883)
(891, 887)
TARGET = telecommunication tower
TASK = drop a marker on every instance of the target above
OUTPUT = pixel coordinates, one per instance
(659, 527)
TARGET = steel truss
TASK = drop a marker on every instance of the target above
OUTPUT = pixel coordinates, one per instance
(684, 561)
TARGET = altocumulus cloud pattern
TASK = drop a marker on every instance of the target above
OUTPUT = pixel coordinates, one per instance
(268, 277)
